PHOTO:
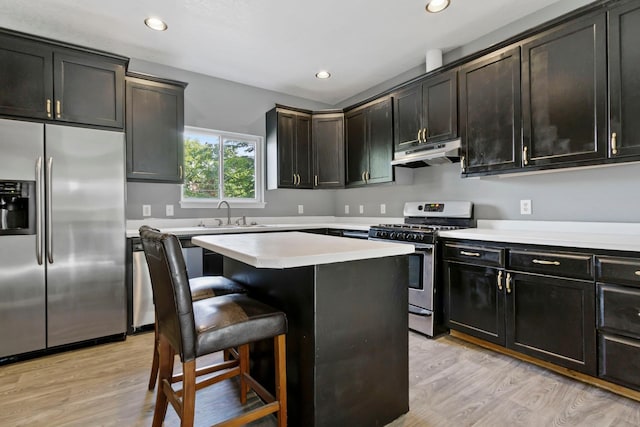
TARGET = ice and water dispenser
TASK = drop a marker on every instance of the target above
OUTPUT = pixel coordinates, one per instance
(17, 207)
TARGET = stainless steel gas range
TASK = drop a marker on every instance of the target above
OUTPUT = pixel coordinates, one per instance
(423, 220)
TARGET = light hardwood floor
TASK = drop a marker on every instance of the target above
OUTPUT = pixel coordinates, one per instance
(453, 383)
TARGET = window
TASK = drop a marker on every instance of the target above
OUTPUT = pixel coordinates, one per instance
(221, 166)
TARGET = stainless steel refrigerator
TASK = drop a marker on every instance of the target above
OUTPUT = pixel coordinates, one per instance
(62, 262)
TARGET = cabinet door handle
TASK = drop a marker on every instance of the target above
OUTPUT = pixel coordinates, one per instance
(500, 280)
(524, 156)
(469, 253)
(545, 262)
(424, 134)
(180, 171)
(419, 130)
(508, 284)
(58, 109)
(614, 143)
(315, 179)
(637, 273)
(368, 176)
(462, 165)
(48, 108)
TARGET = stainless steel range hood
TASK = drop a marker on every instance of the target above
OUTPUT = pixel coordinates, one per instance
(429, 155)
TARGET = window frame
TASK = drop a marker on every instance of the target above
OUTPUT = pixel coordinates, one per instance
(258, 201)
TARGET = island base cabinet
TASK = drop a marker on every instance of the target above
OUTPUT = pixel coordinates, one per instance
(474, 303)
(619, 360)
(347, 342)
(552, 319)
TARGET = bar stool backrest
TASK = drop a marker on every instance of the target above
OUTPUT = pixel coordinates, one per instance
(171, 291)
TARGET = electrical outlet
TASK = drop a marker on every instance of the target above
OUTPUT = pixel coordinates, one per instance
(169, 210)
(300, 209)
(383, 208)
(146, 210)
(525, 207)
(361, 209)
(346, 209)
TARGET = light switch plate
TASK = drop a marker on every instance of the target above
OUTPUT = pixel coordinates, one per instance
(525, 207)
(300, 209)
(146, 210)
(383, 208)
(346, 209)
(169, 210)
(361, 209)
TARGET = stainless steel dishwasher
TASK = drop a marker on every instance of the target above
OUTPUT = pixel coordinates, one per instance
(141, 295)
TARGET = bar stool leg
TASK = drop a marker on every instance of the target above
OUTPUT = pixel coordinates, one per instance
(166, 356)
(188, 394)
(281, 378)
(243, 351)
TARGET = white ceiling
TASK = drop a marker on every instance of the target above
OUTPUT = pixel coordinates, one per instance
(272, 44)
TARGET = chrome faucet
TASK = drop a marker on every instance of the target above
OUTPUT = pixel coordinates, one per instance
(228, 210)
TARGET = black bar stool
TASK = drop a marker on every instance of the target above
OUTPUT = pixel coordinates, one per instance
(194, 329)
(201, 288)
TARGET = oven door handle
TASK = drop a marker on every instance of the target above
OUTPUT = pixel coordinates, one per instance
(420, 311)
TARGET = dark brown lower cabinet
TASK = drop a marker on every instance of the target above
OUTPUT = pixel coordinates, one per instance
(475, 304)
(552, 319)
(546, 316)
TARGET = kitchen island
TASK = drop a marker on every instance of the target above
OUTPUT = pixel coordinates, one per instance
(346, 305)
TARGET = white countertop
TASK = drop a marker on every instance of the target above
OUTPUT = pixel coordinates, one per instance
(189, 227)
(294, 249)
(588, 235)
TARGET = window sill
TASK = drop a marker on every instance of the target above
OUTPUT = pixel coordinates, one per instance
(204, 204)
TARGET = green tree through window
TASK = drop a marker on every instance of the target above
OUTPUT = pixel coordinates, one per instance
(219, 165)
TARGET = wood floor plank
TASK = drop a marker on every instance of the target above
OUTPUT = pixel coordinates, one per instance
(452, 383)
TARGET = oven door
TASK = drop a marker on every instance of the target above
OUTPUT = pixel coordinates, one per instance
(421, 277)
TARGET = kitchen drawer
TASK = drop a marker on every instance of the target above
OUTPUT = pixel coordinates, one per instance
(562, 264)
(477, 255)
(618, 270)
(619, 360)
(619, 309)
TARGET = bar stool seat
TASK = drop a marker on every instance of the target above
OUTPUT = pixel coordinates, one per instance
(193, 329)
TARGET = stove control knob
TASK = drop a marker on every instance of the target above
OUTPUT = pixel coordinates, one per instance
(411, 236)
(392, 235)
(384, 234)
(400, 236)
(419, 237)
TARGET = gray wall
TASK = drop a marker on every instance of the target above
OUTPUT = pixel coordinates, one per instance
(224, 105)
(598, 194)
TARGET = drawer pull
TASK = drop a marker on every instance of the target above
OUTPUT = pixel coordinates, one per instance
(637, 273)
(545, 262)
(469, 253)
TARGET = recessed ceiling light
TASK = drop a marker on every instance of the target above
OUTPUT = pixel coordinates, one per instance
(155, 24)
(435, 6)
(323, 74)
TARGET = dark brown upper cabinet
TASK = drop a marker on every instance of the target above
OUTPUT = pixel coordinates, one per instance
(624, 84)
(490, 113)
(426, 112)
(328, 150)
(289, 138)
(369, 143)
(564, 93)
(155, 129)
(47, 81)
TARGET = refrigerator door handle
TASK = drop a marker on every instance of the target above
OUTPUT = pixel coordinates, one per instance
(39, 210)
(49, 210)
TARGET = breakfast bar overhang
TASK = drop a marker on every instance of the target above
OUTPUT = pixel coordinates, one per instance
(346, 304)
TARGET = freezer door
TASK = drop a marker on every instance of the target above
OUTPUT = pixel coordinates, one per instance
(22, 284)
(86, 234)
